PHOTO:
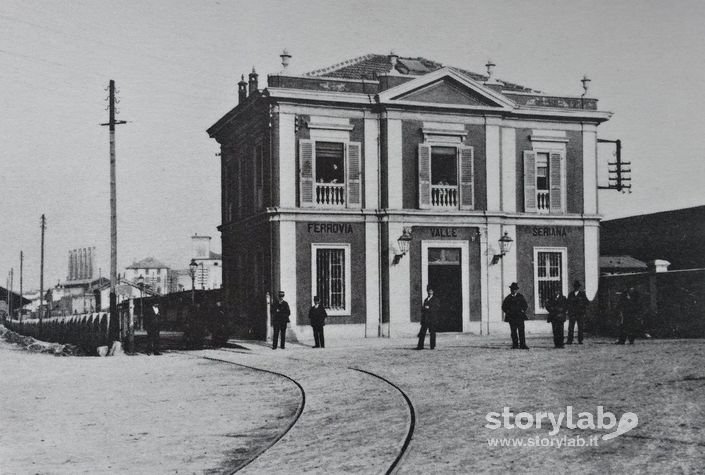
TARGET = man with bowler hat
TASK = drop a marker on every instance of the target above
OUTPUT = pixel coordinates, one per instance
(557, 306)
(514, 307)
(429, 318)
(280, 318)
(317, 315)
(577, 305)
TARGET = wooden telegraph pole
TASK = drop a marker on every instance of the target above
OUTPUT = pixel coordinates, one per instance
(21, 264)
(114, 330)
(41, 276)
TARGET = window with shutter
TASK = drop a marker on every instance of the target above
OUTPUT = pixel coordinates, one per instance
(354, 186)
(306, 172)
(467, 199)
(529, 181)
(543, 182)
(424, 176)
(555, 182)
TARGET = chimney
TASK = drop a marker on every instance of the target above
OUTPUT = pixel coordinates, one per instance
(490, 70)
(286, 57)
(253, 81)
(241, 90)
(393, 58)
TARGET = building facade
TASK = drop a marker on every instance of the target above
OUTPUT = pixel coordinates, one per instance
(322, 173)
(154, 273)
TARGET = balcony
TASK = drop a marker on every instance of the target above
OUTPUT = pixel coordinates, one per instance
(330, 194)
(444, 196)
(543, 201)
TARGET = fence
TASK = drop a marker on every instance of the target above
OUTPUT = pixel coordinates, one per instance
(673, 302)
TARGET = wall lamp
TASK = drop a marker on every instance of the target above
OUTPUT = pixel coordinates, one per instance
(403, 245)
(505, 245)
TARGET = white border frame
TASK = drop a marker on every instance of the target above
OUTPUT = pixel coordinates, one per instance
(348, 275)
(464, 247)
(564, 274)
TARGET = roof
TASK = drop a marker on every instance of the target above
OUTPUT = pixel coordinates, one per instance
(372, 65)
(147, 263)
(621, 262)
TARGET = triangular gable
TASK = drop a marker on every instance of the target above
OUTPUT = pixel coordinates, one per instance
(448, 88)
(448, 91)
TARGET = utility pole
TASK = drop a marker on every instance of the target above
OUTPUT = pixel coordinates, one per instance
(12, 274)
(114, 330)
(41, 276)
(21, 264)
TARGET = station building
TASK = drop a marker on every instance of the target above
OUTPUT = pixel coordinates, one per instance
(328, 176)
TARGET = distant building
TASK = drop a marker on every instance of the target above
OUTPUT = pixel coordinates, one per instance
(610, 265)
(154, 273)
(677, 236)
(209, 273)
(81, 264)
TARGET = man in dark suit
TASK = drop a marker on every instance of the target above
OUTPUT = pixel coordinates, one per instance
(429, 318)
(514, 307)
(317, 315)
(280, 318)
(557, 306)
(630, 316)
(577, 305)
(153, 326)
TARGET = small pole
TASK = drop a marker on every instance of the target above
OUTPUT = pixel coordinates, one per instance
(41, 277)
(21, 264)
(12, 275)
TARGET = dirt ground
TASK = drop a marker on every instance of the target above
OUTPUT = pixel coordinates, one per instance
(180, 414)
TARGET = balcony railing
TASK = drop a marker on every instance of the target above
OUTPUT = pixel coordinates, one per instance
(444, 196)
(330, 194)
(543, 202)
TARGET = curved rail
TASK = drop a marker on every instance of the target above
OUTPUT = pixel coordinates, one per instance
(288, 428)
(412, 419)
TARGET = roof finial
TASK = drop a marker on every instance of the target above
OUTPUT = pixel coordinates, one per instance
(490, 70)
(393, 58)
(286, 57)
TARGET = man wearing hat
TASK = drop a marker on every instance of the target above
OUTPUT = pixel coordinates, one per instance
(514, 307)
(280, 318)
(429, 318)
(577, 305)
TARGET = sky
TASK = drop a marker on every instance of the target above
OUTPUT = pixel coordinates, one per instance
(176, 65)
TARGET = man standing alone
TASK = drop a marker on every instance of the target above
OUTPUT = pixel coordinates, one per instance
(429, 318)
(280, 318)
(317, 315)
(514, 307)
(577, 305)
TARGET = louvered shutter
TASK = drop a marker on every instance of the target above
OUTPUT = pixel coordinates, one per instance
(555, 172)
(306, 172)
(424, 176)
(467, 197)
(529, 181)
(354, 186)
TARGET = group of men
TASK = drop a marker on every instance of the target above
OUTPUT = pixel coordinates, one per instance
(573, 308)
(280, 313)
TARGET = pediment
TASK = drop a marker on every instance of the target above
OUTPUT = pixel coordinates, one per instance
(447, 91)
(447, 88)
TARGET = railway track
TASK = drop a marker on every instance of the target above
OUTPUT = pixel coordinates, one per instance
(408, 403)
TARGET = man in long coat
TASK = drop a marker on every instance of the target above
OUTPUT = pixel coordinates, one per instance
(280, 318)
(429, 318)
(630, 315)
(577, 305)
(317, 315)
(514, 307)
(557, 306)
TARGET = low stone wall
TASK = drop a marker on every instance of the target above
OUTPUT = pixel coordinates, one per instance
(88, 331)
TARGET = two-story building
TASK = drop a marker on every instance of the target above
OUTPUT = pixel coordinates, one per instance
(327, 176)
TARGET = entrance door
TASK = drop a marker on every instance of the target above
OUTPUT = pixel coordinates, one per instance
(444, 276)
